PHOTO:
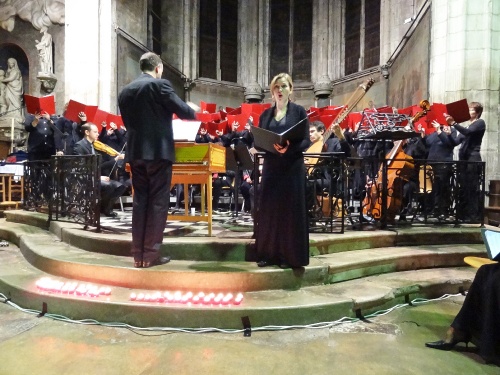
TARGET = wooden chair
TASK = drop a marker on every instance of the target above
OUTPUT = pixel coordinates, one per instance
(11, 191)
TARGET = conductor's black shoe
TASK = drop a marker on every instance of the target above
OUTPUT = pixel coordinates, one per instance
(138, 263)
(110, 214)
(157, 262)
(262, 263)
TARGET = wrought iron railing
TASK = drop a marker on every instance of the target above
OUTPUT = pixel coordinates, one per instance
(66, 187)
(358, 192)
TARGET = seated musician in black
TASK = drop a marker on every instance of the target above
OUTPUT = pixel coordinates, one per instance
(321, 179)
(440, 145)
(110, 190)
(69, 132)
(115, 138)
(415, 148)
(235, 136)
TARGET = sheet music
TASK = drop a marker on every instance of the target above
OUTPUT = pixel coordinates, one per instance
(185, 130)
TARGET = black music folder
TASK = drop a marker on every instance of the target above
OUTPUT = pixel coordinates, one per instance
(265, 139)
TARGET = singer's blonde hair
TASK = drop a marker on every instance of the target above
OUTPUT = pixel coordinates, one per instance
(284, 76)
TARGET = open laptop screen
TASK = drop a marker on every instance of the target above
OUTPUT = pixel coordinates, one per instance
(491, 238)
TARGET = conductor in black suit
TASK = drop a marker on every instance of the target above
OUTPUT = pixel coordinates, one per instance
(146, 105)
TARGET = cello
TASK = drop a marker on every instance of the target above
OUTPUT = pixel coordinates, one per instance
(398, 167)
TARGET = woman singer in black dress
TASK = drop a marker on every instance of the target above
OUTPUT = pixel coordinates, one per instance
(281, 228)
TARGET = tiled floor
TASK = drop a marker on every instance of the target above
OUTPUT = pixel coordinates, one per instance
(224, 224)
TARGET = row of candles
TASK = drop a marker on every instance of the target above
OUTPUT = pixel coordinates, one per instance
(46, 284)
(189, 298)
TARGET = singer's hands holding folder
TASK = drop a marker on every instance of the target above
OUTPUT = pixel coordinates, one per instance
(281, 149)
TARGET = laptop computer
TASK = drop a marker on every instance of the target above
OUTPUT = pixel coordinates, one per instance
(491, 238)
(184, 130)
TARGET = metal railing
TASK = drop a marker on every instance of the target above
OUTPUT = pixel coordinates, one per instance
(66, 187)
(358, 192)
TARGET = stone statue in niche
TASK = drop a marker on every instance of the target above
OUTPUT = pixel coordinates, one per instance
(3, 97)
(44, 47)
(13, 86)
(11, 111)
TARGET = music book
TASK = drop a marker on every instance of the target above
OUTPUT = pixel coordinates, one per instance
(257, 108)
(40, 104)
(240, 119)
(74, 108)
(185, 130)
(459, 110)
(208, 117)
(491, 238)
(265, 139)
(208, 107)
(233, 111)
(117, 119)
(100, 116)
(212, 127)
(353, 118)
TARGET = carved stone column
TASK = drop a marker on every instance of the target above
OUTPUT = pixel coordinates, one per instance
(254, 93)
(323, 88)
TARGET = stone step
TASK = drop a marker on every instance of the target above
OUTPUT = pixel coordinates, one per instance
(234, 248)
(46, 252)
(313, 304)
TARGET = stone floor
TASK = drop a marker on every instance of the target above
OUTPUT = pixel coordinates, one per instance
(387, 344)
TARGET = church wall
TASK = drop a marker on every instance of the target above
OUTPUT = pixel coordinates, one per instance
(132, 17)
(409, 73)
(374, 97)
(212, 92)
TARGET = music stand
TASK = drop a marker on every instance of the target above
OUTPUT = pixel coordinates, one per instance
(380, 126)
(238, 159)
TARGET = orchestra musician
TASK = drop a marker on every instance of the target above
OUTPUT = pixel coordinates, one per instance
(110, 190)
(320, 178)
(439, 147)
(470, 138)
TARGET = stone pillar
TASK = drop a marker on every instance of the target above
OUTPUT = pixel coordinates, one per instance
(248, 52)
(254, 93)
(336, 42)
(82, 47)
(465, 63)
(323, 88)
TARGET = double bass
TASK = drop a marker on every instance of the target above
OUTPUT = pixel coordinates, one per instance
(399, 167)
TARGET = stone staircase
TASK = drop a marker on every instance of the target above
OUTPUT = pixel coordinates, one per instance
(349, 275)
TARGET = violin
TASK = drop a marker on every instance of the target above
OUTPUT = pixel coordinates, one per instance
(99, 146)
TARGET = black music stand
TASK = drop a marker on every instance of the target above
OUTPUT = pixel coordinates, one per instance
(379, 126)
(238, 159)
